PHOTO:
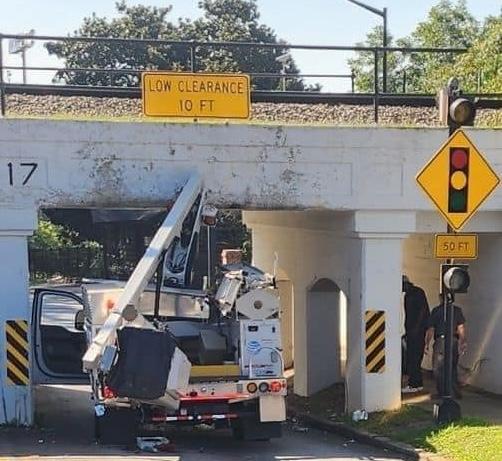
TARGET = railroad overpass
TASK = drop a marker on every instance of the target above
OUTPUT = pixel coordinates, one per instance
(338, 208)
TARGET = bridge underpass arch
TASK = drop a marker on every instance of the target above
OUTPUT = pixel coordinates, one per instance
(326, 334)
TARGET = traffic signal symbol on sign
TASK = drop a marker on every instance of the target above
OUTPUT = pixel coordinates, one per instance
(457, 179)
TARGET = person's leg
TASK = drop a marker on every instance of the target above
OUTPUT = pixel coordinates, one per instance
(420, 358)
(414, 365)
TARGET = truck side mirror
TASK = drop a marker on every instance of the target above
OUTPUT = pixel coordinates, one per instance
(79, 320)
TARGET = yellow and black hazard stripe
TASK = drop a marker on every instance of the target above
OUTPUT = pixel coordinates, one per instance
(375, 341)
(18, 366)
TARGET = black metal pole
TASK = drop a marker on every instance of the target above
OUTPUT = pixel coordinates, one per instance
(352, 80)
(385, 42)
(192, 59)
(449, 410)
(375, 76)
(2, 87)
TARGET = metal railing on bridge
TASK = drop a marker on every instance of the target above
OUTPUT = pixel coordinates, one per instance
(114, 85)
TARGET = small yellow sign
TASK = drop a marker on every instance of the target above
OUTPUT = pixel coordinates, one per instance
(457, 179)
(463, 246)
(194, 95)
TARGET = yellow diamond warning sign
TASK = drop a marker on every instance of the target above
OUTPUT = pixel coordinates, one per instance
(179, 94)
(457, 179)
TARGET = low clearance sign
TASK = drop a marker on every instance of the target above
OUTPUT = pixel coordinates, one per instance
(195, 95)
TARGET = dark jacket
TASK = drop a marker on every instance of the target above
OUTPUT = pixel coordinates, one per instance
(416, 310)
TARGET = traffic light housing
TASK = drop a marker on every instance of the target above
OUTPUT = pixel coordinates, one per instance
(461, 111)
(455, 277)
(458, 189)
(455, 109)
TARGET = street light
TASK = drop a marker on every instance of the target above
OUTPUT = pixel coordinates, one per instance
(284, 59)
(19, 46)
(383, 15)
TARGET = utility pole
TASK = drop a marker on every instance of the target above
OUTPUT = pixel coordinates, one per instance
(383, 14)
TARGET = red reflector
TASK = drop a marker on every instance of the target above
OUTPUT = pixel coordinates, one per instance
(108, 393)
(275, 386)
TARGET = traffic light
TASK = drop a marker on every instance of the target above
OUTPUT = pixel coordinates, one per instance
(458, 190)
(455, 109)
(462, 112)
(455, 277)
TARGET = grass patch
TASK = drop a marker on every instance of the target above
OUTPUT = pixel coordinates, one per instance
(469, 439)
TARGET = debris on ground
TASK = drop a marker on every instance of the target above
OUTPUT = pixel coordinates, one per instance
(299, 428)
(154, 444)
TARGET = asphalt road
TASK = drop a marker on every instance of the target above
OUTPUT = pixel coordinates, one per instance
(65, 432)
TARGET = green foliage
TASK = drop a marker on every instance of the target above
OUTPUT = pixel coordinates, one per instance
(221, 20)
(448, 25)
(140, 21)
(51, 236)
(480, 70)
(363, 65)
(468, 440)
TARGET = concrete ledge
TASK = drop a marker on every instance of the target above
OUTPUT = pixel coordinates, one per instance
(367, 438)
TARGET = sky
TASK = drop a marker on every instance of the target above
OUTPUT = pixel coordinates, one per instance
(316, 22)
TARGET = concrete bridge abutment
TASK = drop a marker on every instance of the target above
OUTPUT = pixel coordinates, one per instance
(16, 224)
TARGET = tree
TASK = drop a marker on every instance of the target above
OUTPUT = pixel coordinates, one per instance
(363, 65)
(133, 22)
(480, 69)
(232, 21)
(222, 20)
(448, 25)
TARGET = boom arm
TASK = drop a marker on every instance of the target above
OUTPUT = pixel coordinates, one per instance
(143, 272)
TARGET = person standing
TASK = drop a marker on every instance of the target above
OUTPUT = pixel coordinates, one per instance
(416, 309)
(437, 330)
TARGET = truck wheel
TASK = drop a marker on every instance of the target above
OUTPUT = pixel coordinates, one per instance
(117, 427)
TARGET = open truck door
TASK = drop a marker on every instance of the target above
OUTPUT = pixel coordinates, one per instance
(58, 337)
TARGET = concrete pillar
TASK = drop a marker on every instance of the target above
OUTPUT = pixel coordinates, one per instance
(376, 286)
(309, 246)
(16, 397)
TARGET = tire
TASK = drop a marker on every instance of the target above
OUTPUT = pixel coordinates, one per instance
(118, 426)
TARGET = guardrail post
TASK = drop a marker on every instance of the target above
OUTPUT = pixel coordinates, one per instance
(376, 95)
(2, 86)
